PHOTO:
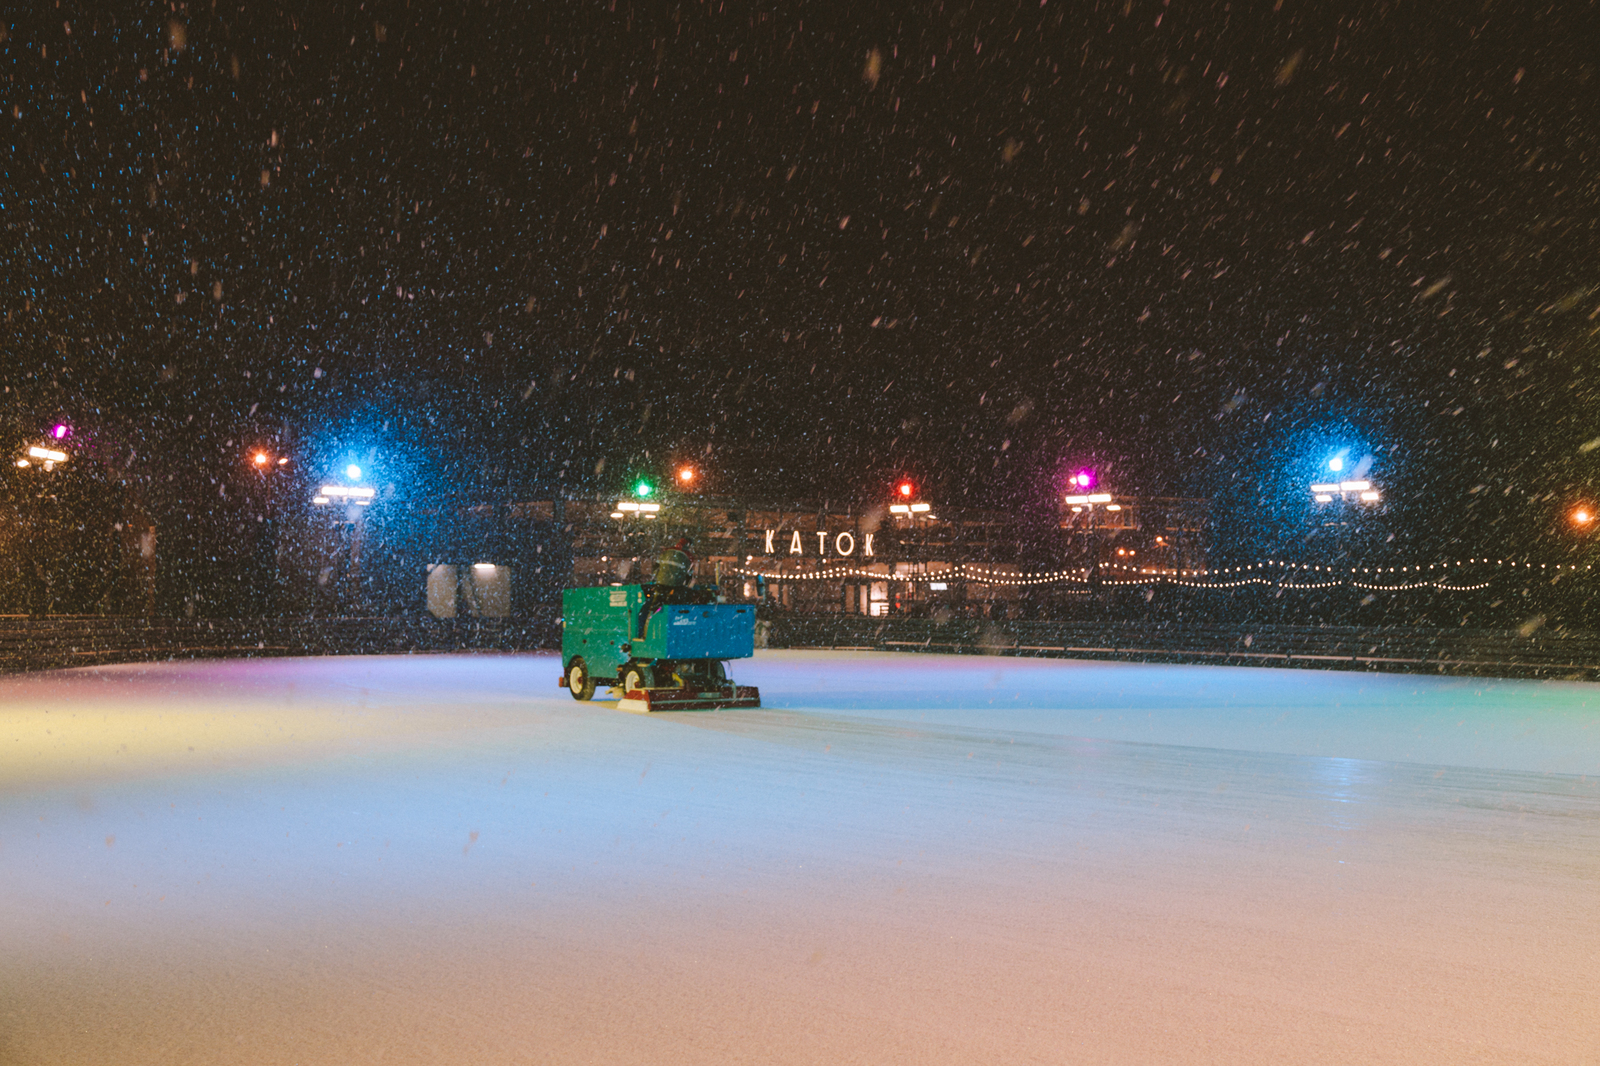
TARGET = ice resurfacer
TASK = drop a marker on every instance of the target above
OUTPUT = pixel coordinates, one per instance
(662, 644)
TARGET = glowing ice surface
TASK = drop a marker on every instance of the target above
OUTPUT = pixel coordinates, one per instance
(898, 859)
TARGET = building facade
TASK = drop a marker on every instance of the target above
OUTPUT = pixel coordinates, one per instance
(906, 557)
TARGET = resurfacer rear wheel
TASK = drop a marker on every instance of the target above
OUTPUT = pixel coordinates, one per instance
(579, 681)
(708, 673)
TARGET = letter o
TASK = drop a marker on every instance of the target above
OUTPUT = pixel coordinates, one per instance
(841, 540)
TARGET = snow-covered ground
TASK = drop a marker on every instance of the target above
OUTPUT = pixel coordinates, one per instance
(914, 859)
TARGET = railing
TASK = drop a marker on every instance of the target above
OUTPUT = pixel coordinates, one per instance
(1386, 648)
(57, 641)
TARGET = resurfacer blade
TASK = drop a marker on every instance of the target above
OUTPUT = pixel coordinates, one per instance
(653, 700)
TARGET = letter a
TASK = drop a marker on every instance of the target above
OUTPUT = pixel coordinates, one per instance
(794, 545)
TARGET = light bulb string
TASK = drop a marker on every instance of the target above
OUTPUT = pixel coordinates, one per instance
(1283, 575)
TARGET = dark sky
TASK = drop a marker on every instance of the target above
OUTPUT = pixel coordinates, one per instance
(1196, 246)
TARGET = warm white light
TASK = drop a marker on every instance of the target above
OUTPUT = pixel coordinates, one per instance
(23, 463)
(1113, 506)
(616, 514)
(1077, 499)
(48, 453)
(484, 567)
(1370, 497)
(1354, 486)
(1099, 497)
(920, 507)
(319, 499)
(344, 492)
(1323, 497)
(649, 507)
(627, 505)
(899, 508)
(1325, 488)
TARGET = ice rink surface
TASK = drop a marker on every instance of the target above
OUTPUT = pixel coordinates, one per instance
(899, 859)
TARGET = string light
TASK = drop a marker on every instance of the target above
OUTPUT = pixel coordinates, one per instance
(1214, 578)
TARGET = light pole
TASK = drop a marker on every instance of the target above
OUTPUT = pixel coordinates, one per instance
(1084, 503)
(1351, 494)
(265, 469)
(911, 509)
(356, 499)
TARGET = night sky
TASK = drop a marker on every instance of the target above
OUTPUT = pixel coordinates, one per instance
(1196, 246)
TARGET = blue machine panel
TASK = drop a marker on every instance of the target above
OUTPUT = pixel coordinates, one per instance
(707, 631)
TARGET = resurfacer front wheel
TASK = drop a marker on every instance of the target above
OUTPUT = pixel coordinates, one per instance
(635, 678)
(579, 681)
